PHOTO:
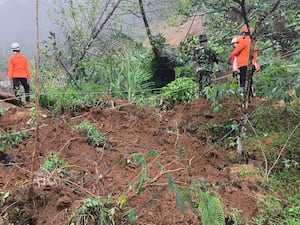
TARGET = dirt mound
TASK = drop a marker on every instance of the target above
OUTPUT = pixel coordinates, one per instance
(183, 149)
(178, 34)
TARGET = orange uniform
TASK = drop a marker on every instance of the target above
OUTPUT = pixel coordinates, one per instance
(242, 51)
(18, 66)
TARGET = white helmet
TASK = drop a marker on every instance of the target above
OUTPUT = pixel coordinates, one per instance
(15, 47)
(234, 40)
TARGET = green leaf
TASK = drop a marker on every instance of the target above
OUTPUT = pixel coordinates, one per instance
(298, 91)
(170, 181)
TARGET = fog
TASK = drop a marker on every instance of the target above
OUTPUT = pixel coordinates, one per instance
(18, 24)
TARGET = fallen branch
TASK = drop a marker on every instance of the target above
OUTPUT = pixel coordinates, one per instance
(146, 166)
(264, 155)
(68, 142)
(165, 172)
(77, 117)
(11, 205)
(177, 134)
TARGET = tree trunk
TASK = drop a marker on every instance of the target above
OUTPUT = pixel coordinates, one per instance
(246, 100)
(148, 31)
(243, 123)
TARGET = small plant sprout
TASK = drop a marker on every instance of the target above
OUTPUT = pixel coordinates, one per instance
(3, 197)
(33, 118)
(13, 139)
(53, 164)
(93, 137)
(95, 211)
(142, 160)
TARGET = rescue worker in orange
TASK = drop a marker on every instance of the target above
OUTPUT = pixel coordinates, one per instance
(242, 52)
(19, 74)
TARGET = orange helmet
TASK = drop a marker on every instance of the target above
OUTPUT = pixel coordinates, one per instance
(245, 29)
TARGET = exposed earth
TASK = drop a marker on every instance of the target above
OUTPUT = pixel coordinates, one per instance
(184, 151)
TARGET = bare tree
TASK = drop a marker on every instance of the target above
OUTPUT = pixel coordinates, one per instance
(253, 35)
(81, 29)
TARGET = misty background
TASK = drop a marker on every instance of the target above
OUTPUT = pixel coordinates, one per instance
(17, 24)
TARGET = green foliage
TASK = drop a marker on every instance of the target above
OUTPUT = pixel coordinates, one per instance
(96, 211)
(165, 53)
(278, 128)
(13, 139)
(279, 119)
(211, 209)
(219, 92)
(187, 70)
(127, 75)
(187, 7)
(276, 80)
(229, 130)
(2, 111)
(122, 72)
(33, 116)
(132, 217)
(3, 197)
(234, 217)
(63, 98)
(293, 209)
(276, 35)
(187, 48)
(181, 90)
(81, 22)
(142, 160)
(93, 136)
(92, 67)
(182, 194)
(53, 164)
(271, 212)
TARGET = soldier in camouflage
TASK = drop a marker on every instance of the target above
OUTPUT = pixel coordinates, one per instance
(205, 58)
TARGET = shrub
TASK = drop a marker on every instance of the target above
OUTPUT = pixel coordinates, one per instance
(54, 164)
(13, 139)
(93, 136)
(181, 90)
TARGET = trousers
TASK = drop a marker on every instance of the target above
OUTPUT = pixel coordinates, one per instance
(243, 74)
(204, 79)
(17, 82)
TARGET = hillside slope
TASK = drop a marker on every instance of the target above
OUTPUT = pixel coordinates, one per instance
(180, 137)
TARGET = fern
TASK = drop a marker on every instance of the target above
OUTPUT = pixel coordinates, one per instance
(142, 160)
(211, 210)
(93, 136)
(181, 194)
(94, 211)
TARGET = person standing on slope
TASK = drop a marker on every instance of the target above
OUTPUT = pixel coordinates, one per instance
(19, 73)
(205, 58)
(242, 52)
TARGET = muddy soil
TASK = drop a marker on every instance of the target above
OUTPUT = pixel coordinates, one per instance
(185, 151)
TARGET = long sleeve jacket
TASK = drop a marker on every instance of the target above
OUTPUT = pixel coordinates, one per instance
(205, 57)
(18, 66)
(242, 52)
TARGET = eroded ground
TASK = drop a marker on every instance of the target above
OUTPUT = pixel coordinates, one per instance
(179, 137)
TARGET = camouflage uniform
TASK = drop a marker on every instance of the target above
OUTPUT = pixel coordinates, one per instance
(205, 58)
